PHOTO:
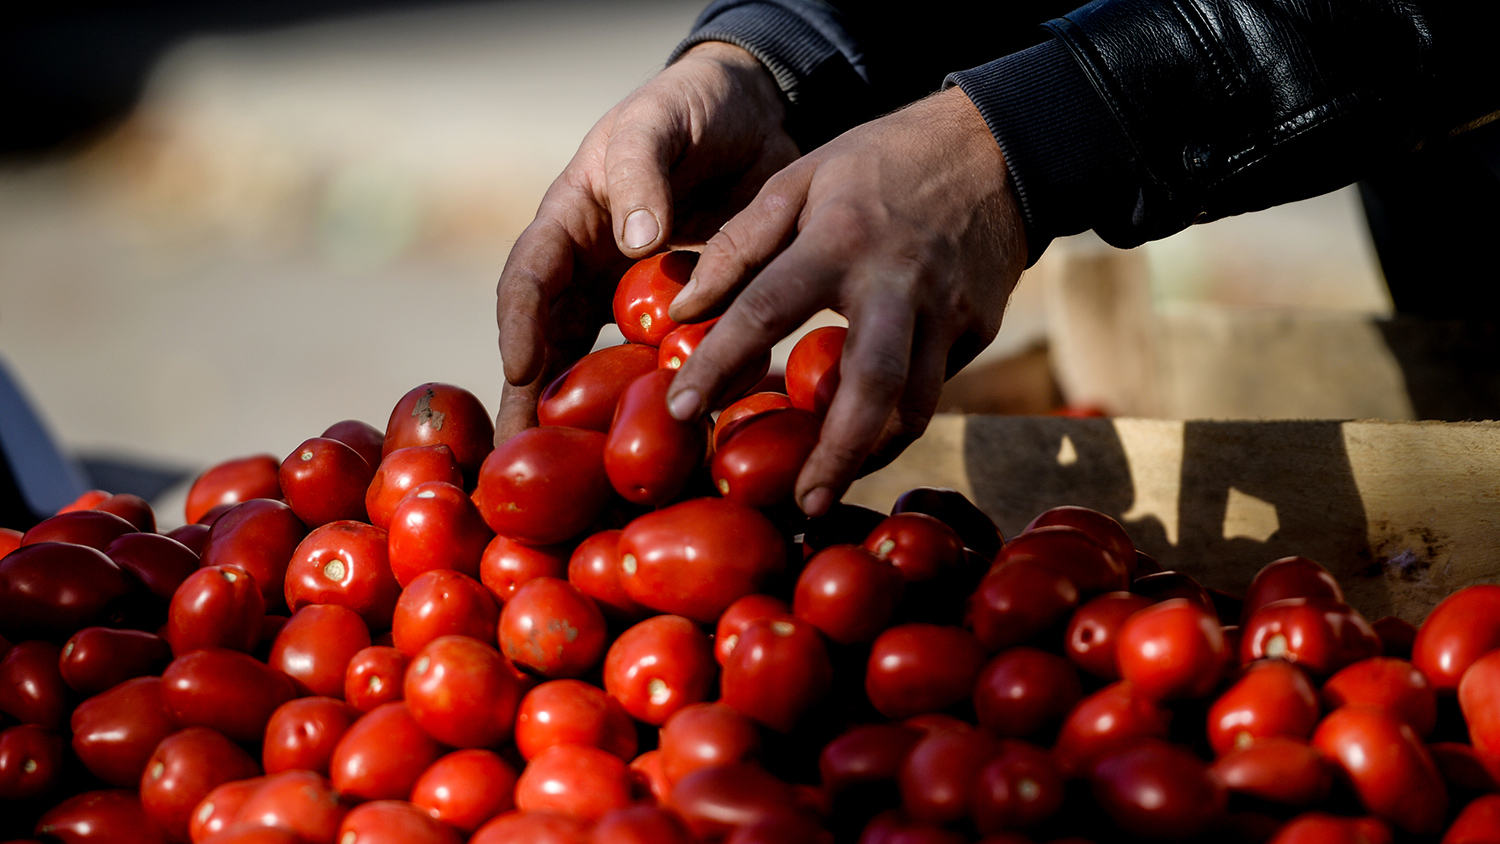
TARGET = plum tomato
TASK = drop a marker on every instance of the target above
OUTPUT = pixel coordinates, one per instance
(812, 368)
(1153, 788)
(575, 779)
(298, 801)
(1323, 828)
(1477, 823)
(466, 788)
(1025, 691)
(594, 567)
(649, 456)
(938, 774)
(219, 809)
(1388, 766)
(367, 440)
(92, 528)
(1318, 636)
(436, 526)
(374, 676)
(551, 628)
(315, 645)
(114, 815)
(130, 507)
(544, 485)
(1270, 698)
(51, 590)
(1018, 787)
(302, 734)
(1461, 628)
(228, 691)
(88, 500)
(382, 755)
(573, 712)
(916, 668)
(403, 470)
(1094, 628)
(642, 824)
(1108, 719)
(737, 616)
(848, 593)
(183, 769)
(1163, 585)
(649, 779)
(533, 828)
(96, 659)
(1018, 601)
(1279, 769)
(1173, 649)
(779, 670)
(507, 563)
(1076, 555)
(216, 607)
(160, 563)
(974, 527)
(442, 414)
(741, 410)
(920, 546)
(658, 666)
(705, 734)
(1397, 635)
(439, 603)
(717, 799)
(586, 394)
(1104, 530)
(1479, 700)
(324, 481)
(233, 482)
(757, 465)
(1394, 683)
(31, 762)
(646, 290)
(32, 690)
(462, 692)
(1289, 577)
(348, 564)
(864, 754)
(393, 822)
(115, 732)
(696, 557)
(259, 536)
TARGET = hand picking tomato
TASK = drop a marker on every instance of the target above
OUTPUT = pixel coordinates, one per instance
(812, 368)
(586, 394)
(645, 291)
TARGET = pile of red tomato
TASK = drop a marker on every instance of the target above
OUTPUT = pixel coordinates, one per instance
(614, 628)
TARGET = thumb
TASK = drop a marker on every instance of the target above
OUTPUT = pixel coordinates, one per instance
(637, 180)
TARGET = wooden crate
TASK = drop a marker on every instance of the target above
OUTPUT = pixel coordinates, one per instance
(1402, 513)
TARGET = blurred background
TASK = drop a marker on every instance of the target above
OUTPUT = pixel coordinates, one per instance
(224, 227)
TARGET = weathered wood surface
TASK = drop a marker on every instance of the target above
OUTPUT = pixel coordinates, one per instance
(1402, 513)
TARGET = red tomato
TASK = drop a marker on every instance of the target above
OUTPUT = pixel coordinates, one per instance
(717, 799)
(1024, 691)
(89, 500)
(779, 670)
(216, 607)
(954, 509)
(92, 528)
(375, 675)
(325, 481)
(112, 815)
(642, 825)
(1104, 530)
(159, 562)
(302, 733)
(508, 563)
(1173, 649)
(1018, 787)
(646, 290)
(1320, 828)
(649, 779)
(743, 409)
(1386, 763)
(31, 762)
(115, 732)
(100, 658)
(131, 508)
(1091, 566)
(259, 536)
(466, 788)
(586, 394)
(1280, 769)
(737, 616)
(1289, 577)
(233, 482)
(302, 802)
(576, 779)
(345, 563)
(812, 368)
(1017, 601)
(868, 753)
(463, 692)
(314, 648)
(848, 593)
(403, 470)
(1461, 766)
(649, 455)
(937, 777)
(893, 827)
(219, 810)
(659, 666)
(1478, 823)
(551, 628)
(440, 603)
(594, 567)
(228, 691)
(1479, 698)
(436, 526)
(1152, 788)
(1162, 585)
(442, 414)
(573, 712)
(696, 557)
(394, 822)
(706, 734)
(1319, 637)
(1397, 635)
(919, 545)
(382, 755)
(917, 668)
(758, 464)
(51, 590)
(1106, 720)
(1459, 630)
(544, 485)
(184, 768)
(32, 690)
(680, 343)
(1270, 698)
(533, 828)
(1094, 629)
(367, 440)
(1393, 683)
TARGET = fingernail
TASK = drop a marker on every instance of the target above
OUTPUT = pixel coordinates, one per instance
(684, 405)
(685, 293)
(640, 228)
(817, 502)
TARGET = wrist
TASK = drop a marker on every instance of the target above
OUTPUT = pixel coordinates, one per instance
(752, 80)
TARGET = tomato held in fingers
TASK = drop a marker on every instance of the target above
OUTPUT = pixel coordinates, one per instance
(441, 603)
(115, 732)
(442, 414)
(758, 464)
(779, 670)
(812, 368)
(917, 668)
(345, 563)
(1173, 649)
(259, 536)
(466, 788)
(31, 762)
(551, 628)
(97, 659)
(586, 394)
(1270, 698)
(302, 734)
(646, 290)
(382, 755)
(184, 768)
(1460, 629)
(649, 455)
(741, 410)
(1389, 768)
(573, 712)
(544, 485)
(325, 481)
(659, 666)
(1393, 683)
(1153, 788)
(462, 692)
(228, 691)
(575, 779)
(233, 482)
(1279, 769)
(216, 607)
(436, 526)
(1024, 691)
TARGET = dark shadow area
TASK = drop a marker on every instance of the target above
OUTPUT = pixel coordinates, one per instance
(70, 70)
(1451, 366)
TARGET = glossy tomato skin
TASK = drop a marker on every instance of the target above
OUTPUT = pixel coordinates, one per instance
(779, 670)
(259, 536)
(758, 464)
(403, 470)
(1393, 683)
(1270, 698)
(954, 509)
(1460, 629)
(649, 455)
(315, 645)
(659, 666)
(394, 822)
(1318, 636)
(1108, 719)
(704, 734)
(302, 802)
(1289, 577)
(642, 825)
(716, 799)
(439, 603)
(737, 616)
(324, 480)
(90, 528)
(920, 546)
(1018, 787)
(1094, 628)
(224, 690)
(1025, 691)
(115, 732)
(302, 734)
(367, 440)
(1018, 601)
(51, 590)
(575, 779)
(436, 526)
(508, 563)
(644, 293)
(865, 754)
(96, 659)
(1074, 554)
(1104, 529)
(31, 762)
(533, 828)
(938, 774)
(1323, 828)
(741, 410)
(183, 769)
(32, 690)
(1173, 649)
(233, 482)
(1386, 763)
(1479, 699)
(573, 712)
(848, 593)
(586, 394)
(552, 628)
(161, 563)
(216, 607)
(916, 668)
(348, 564)
(544, 485)
(1153, 788)
(594, 567)
(374, 676)
(442, 414)
(1279, 769)
(696, 557)
(108, 815)
(462, 692)
(1478, 823)
(466, 788)
(382, 755)
(812, 368)
(217, 811)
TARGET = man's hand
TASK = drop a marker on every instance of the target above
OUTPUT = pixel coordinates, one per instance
(670, 163)
(909, 226)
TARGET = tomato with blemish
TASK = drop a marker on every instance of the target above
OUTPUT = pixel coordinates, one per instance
(551, 628)
(442, 414)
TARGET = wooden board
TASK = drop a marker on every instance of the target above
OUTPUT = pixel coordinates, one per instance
(1402, 513)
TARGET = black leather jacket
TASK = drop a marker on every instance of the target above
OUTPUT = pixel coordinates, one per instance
(1137, 118)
